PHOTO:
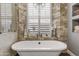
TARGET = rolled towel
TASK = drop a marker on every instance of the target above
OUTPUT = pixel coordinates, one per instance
(76, 29)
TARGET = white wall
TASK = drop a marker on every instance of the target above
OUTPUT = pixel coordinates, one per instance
(6, 40)
(73, 38)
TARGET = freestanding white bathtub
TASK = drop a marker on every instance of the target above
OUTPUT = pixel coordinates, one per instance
(39, 48)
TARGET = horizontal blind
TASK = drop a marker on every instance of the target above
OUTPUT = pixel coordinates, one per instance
(33, 18)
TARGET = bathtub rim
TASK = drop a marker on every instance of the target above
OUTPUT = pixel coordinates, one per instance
(49, 49)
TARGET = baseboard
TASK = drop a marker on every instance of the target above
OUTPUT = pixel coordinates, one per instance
(69, 52)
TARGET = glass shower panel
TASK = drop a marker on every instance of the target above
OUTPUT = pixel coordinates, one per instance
(6, 16)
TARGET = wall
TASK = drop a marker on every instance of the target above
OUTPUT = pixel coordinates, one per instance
(73, 38)
(60, 20)
(21, 20)
(63, 22)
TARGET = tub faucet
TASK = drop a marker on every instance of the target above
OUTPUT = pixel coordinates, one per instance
(56, 33)
(0, 32)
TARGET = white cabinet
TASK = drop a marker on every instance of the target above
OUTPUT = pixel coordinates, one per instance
(73, 34)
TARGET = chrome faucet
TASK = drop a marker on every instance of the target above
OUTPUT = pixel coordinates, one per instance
(55, 32)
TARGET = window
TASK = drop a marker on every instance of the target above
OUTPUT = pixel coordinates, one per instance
(5, 16)
(39, 18)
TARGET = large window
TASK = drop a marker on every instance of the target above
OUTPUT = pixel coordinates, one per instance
(39, 18)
